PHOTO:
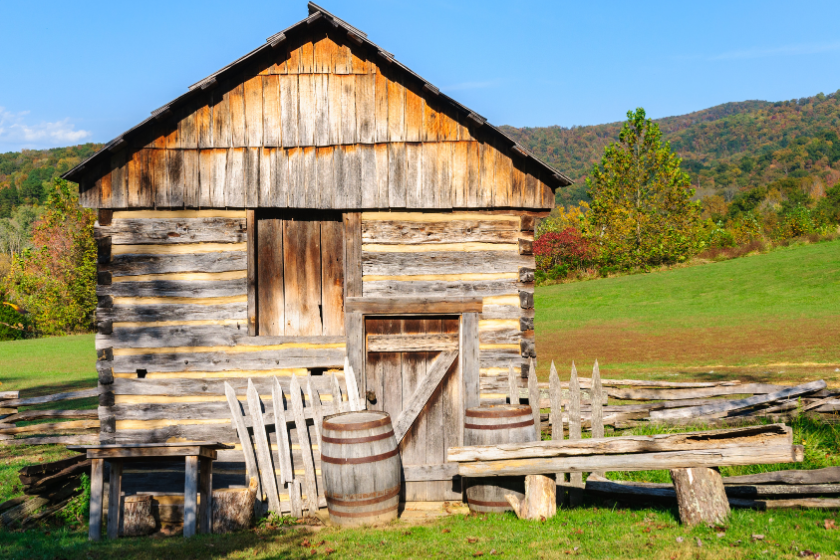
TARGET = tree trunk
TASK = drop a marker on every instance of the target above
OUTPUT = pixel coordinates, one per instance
(137, 518)
(701, 497)
(540, 500)
(233, 508)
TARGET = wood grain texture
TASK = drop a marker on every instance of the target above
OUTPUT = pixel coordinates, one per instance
(437, 370)
(264, 462)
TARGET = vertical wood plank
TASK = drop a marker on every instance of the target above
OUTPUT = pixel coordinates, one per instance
(473, 174)
(175, 177)
(443, 185)
(459, 186)
(421, 173)
(597, 403)
(397, 175)
(190, 495)
(355, 329)
(352, 386)
(530, 193)
(338, 399)
(296, 186)
(205, 484)
(332, 276)
(217, 188)
(575, 494)
(302, 279)
(431, 122)
(382, 175)
(322, 109)
(366, 108)
(342, 63)
(254, 112)
(381, 107)
(272, 123)
(348, 109)
(280, 178)
(352, 176)
(97, 472)
(293, 61)
(119, 178)
(234, 186)
(353, 254)
(307, 58)
(513, 385)
(206, 168)
(396, 111)
(236, 104)
(266, 182)
(192, 184)
(264, 462)
(325, 162)
(358, 65)
(310, 173)
(284, 448)
(323, 56)
(289, 110)
(305, 446)
(470, 360)
(414, 107)
(253, 248)
(251, 470)
(251, 177)
(204, 125)
(369, 186)
(534, 397)
(160, 178)
(221, 120)
(488, 173)
(555, 393)
(187, 131)
(115, 500)
(315, 402)
(306, 118)
(334, 94)
(502, 175)
(270, 312)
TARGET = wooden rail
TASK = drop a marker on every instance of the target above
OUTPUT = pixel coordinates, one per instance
(75, 426)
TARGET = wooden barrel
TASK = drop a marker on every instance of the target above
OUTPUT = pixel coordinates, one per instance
(491, 425)
(360, 466)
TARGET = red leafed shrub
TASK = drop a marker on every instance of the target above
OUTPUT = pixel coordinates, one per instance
(566, 248)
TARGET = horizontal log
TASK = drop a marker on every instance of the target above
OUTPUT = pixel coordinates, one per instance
(86, 439)
(637, 462)
(30, 415)
(243, 339)
(455, 231)
(176, 288)
(596, 483)
(199, 411)
(434, 262)
(773, 434)
(181, 335)
(421, 473)
(174, 230)
(829, 475)
(513, 311)
(411, 342)
(7, 395)
(727, 406)
(53, 427)
(416, 288)
(173, 312)
(428, 305)
(50, 468)
(57, 397)
(691, 393)
(800, 503)
(136, 265)
(212, 387)
(221, 361)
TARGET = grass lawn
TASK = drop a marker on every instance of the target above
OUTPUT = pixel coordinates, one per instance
(42, 366)
(773, 316)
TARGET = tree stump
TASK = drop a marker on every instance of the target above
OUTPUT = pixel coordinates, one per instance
(540, 500)
(137, 518)
(233, 508)
(701, 497)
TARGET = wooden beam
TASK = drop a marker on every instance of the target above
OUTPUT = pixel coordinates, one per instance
(470, 357)
(414, 305)
(412, 342)
(425, 388)
(638, 462)
(818, 476)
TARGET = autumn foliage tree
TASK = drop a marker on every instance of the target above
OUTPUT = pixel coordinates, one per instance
(641, 213)
(55, 280)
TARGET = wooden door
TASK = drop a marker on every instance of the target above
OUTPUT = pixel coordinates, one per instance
(392, 381)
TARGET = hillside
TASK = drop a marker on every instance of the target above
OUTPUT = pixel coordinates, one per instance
(771, 317)
(726, 149)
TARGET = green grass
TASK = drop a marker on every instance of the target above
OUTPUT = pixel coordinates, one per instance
(762, 313)
(48, 365)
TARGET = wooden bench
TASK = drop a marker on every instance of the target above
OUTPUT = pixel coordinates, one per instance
(192, 453)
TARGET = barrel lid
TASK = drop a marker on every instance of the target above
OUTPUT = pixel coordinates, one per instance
(360, 420)
(498, 410)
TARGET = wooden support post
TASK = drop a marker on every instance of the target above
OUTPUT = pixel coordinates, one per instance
(315, 402)
(114, 498)
(264, 462)
(576, 479)
(251, 225)
(190, 495)
(555, 393)
(513, 385)
(354, 327)
(470, 361)
(284, 446)
(205, 513)
(597, 396)
(534, 397)
(701, 497)
(305, 446)
(540, 502)
(97, 468)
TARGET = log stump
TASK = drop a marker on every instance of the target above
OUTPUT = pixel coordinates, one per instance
(233, 508)
(701, 497)
(540, 502)
(137, 519)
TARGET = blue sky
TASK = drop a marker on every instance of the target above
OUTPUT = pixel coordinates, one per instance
(78, 72)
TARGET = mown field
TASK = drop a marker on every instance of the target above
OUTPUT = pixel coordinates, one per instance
(774, 317)
(770, 317)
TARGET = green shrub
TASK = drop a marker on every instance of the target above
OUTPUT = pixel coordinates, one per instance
(14, 325)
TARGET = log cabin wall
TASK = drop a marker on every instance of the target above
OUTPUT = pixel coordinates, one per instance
(459, 254)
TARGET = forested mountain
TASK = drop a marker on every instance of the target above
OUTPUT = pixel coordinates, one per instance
(726, 149)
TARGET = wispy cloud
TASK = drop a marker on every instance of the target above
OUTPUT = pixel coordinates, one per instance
(14, 130)
(471, 85)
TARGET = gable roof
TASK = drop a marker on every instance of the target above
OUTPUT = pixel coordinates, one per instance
(316, 13)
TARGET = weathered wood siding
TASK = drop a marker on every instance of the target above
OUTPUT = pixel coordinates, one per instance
(172, 328)
(461, 254)
(318, 124)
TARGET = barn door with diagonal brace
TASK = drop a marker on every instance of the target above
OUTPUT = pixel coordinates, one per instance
(412, 373)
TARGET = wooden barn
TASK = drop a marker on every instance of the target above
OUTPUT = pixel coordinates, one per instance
(313, 202)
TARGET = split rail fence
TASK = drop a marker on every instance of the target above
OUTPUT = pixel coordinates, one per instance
(65, 427)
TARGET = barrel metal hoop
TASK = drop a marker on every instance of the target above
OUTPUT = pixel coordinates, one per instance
(356, 427)
(363, 513)
(360, 460)
(389, 493)
(497, 426)
(343, 441)
(487, 504)
(498, 413)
